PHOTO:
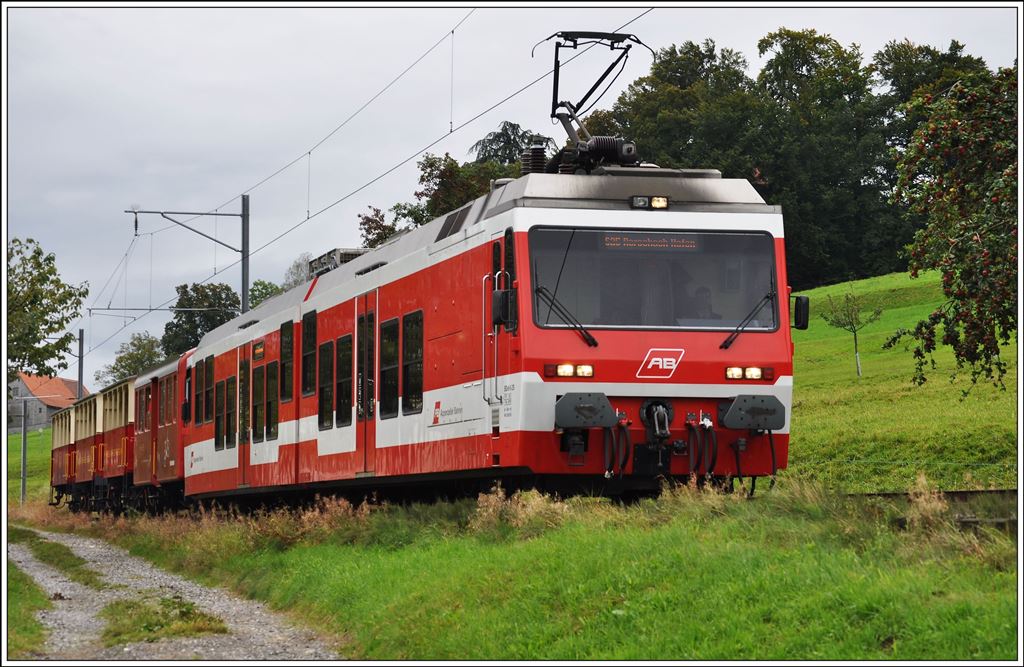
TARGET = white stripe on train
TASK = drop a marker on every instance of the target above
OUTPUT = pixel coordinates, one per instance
(460, 411)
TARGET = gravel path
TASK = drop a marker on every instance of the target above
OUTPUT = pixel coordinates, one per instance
(255, 632)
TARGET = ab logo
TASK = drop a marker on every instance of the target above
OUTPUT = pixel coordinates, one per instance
(437, 412)
(660, 363)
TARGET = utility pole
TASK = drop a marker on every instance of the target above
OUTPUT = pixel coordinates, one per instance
(24, 438)
(243, 251)
(81, 368)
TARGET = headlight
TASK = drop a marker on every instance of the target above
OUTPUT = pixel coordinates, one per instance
(752, 373)
(565, 370)
(585, 371)
(734, 373)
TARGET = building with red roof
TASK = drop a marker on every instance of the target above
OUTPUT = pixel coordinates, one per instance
(48, 395)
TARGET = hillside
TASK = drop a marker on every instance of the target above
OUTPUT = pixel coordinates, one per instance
(877, 431)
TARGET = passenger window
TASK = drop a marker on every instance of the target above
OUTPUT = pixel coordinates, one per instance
(389, 369)
(200, 376)
(325, 407)
(229, 413)
(412, 363)
(343, 416)
(287, 360)
(208, 389)
(272, 400)
(258, 407)
(309, 353)
(218, 420)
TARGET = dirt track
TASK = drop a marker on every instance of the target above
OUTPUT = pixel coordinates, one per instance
(255, 632)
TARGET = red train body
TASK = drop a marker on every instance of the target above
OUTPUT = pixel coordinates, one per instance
(549, 333)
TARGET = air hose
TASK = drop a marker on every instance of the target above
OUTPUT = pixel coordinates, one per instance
(771, 445)
(626, 446)
(617, 446)
(695, 445)
(711, 439)
(609, 454)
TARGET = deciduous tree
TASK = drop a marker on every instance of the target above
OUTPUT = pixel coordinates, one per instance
(140, 352)
(204, 308)
(960, 173)
(261, 290)
(40, 306)
(845, 314)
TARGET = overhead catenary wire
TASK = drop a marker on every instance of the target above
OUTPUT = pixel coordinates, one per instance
(412, 156)
(343, 123)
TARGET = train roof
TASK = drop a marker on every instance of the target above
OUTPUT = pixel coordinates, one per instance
(608, 188)
(165, 367)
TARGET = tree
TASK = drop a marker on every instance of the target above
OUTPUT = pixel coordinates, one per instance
(297, 273)
(142, 351)
(959, 172)
(446, 185)
(506, 144)
(845, 314)
(821, 165)
(261, 290)
(374, 228)
(40, 306)
(204, 308)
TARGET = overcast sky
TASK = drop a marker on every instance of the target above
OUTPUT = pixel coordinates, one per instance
(182, 109)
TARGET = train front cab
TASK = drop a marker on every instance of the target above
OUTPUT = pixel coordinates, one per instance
(622, 360)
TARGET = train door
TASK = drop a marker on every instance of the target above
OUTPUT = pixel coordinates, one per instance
(153, 421)
(244, 401)
(366, 367)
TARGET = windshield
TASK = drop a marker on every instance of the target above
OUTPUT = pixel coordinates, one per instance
(637, 279)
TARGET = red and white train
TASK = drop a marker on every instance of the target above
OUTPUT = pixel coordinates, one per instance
(600, 330)
(594, 324)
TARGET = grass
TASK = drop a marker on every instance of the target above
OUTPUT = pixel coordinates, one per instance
(25, 634)
(145, 620)
(799, 573)
(876, 432)
(37, 471)
(57, 556)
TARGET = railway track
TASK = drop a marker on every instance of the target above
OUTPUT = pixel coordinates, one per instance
(957, 496)
(965, 520)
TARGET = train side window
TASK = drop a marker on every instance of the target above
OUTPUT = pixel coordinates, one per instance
(343, 416)
(161, 402)
(309, 353)
(172, 392)
(229, 413)
(325, 405)
(412, 363)
(243, 401)
(218, 420)
(272, 400)
(287, 360)
(389, 369)
(258, 408)
(200, 376)
(512, 315)
(186, 408)
(208, 389)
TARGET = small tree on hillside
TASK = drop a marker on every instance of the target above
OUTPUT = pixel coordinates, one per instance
(845, 314)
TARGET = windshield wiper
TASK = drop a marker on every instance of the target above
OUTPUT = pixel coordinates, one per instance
(567, 317)
(727, 343)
